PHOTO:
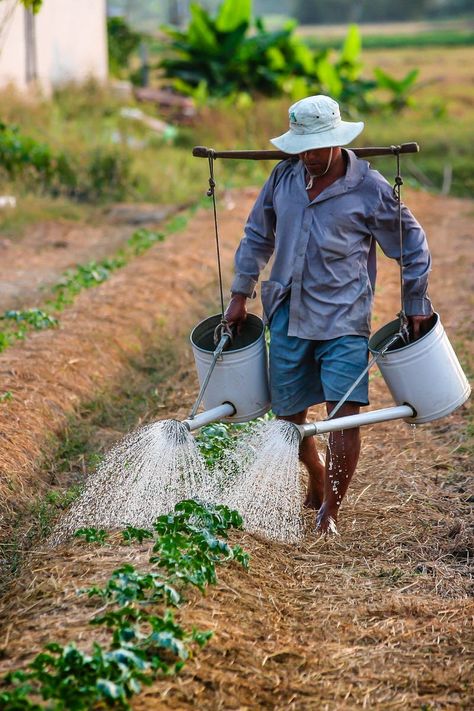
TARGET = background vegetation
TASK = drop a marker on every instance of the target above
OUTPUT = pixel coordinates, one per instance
(81, 146)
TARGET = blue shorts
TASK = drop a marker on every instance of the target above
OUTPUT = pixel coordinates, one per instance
(305, 372)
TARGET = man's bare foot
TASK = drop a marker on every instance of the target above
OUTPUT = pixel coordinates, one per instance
(326, 521)
(314, 498)
(312, 501)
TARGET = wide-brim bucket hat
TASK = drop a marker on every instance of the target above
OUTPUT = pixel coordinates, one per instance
(315, 122)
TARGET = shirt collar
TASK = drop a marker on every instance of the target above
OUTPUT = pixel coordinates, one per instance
(355, 173)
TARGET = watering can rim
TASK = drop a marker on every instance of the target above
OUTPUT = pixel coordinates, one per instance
(234, 350)
(376, 347)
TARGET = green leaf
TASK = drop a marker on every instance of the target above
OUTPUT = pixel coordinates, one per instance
(232, 14)
(110, 690)
(329, 78)
(352, 46)
(385, 81)
(200, 33)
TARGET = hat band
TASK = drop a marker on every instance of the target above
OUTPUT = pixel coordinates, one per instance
(301, 129)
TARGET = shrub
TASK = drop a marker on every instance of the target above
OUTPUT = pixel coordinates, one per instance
(224, 56)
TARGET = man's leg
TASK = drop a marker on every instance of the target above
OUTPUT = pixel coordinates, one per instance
(309, 456)
(342, 456)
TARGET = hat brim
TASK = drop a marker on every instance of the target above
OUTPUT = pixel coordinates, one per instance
(294, 143)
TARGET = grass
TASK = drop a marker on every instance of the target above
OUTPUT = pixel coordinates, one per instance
(417, 40)
(32, 209)
(16, 325)
(440, 118)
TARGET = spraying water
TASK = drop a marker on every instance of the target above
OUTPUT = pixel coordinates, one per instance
(141, 478)
(148, 472)
(260, 479)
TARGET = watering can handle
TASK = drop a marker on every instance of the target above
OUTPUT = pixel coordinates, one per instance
(225, 340)
(203, 152)
(223, 329)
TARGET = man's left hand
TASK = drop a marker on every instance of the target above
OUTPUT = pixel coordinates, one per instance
(419, 325)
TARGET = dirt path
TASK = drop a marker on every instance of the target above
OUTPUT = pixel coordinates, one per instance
(379, 617)
(30, 265)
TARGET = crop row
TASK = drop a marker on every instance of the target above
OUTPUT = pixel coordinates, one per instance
(18, 323)
(145, 638)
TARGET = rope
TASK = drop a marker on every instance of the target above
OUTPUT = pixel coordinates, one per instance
(403, 332)
(222, 332)
(397, 193)
(212, 193)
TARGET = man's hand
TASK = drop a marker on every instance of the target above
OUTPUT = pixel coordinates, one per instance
(419, 325)
(236, 311)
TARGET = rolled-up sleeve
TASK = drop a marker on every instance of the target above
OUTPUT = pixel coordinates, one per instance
(416, 255)
(258, 243)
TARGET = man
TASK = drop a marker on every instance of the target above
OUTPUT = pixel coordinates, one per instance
(321, 217)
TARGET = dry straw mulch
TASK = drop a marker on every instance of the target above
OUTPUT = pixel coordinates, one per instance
(379, 617)
(167, 289)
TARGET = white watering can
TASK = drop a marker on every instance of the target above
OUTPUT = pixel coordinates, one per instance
(424, 377)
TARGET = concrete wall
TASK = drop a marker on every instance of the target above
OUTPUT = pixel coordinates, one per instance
(71, 42)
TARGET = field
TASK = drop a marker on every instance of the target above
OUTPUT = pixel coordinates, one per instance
(378, 617)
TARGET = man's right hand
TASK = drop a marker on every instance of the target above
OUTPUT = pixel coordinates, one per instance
(236, 311)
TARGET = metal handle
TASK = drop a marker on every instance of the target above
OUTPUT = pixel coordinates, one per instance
(225, 340)
(203, 152)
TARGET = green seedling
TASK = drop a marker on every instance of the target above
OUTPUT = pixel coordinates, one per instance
(36, 318)
(126, 585)
(143, 239)
(143, 643)
(92, 535)
(131, 533)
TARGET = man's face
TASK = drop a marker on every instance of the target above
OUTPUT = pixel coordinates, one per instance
(316, 160)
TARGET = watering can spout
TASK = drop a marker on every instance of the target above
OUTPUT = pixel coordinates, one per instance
(350, 421)
(215, 414)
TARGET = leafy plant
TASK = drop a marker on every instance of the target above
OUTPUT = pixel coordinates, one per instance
(127, 585)
(130, 533)
(142, 239)
(219, 56)
(214, 441)
(19, 323)
(143, 642)
(188, 546)
(7, 395)
(224, 56)
(37, 318)
(400, 88)
(79, 680)
(92, 535)
(122, 42)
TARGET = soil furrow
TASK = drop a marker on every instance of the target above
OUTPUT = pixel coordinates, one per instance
(379, 617)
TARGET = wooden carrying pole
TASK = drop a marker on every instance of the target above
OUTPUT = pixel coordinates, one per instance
(203, 152)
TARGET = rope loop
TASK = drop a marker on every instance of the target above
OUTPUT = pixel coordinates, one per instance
(212, 194)
(223, 329)
(397, 194)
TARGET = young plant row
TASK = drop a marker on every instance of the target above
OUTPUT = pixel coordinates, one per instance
(216, 441)
(17, 324)
(145, 638)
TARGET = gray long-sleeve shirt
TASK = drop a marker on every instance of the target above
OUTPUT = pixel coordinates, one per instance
(325, 250)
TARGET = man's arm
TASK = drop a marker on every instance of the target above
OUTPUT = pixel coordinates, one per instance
(253, 253)
(416, 257)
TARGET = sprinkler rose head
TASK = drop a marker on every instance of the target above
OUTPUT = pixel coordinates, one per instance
(176, 430)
